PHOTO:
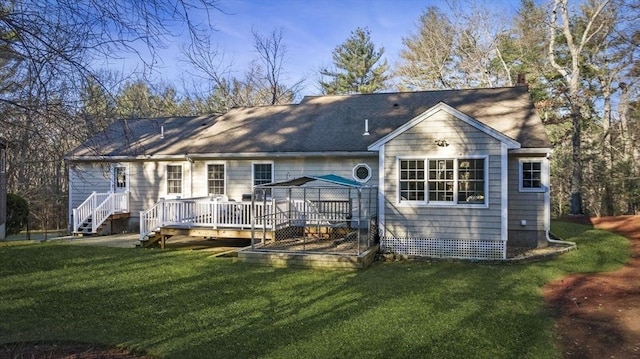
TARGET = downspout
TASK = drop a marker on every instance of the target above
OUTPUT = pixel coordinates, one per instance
(547, 210)
(556, 241)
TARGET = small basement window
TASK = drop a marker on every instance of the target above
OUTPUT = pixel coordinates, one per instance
(362, 172)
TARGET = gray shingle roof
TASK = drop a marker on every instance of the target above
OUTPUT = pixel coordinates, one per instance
(317, 124)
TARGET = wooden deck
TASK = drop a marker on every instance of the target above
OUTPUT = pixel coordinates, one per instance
(165, 233)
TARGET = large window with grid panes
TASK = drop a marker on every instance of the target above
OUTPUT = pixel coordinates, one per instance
(446, 181)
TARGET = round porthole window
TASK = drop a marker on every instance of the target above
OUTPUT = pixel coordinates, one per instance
(362, 172)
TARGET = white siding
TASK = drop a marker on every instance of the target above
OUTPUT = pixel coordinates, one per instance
(238, 172)
(442, 222)
(85, 178)
(148, 182)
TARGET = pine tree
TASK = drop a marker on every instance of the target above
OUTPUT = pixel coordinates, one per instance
(427, 60)
(355, 69)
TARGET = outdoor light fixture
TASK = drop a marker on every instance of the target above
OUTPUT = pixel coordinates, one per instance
(441, 142)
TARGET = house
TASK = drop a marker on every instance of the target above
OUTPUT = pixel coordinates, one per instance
(3, 189)
(460, 173)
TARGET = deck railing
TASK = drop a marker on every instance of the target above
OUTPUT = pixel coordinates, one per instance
(203, 212)
(321, 211)
(215, 213)
(98, 207)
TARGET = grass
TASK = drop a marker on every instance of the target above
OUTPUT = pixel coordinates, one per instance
(185, 304)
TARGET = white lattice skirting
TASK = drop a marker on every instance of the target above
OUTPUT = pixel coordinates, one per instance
(446, 248)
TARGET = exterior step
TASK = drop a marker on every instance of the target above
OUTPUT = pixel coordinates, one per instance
(152, 239)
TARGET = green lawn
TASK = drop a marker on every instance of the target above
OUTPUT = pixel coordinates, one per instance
(185, 304)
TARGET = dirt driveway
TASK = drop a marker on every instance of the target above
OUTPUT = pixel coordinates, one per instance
(598, 316)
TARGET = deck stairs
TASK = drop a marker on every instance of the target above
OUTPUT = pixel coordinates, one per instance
(85, 229)
(151, 239)
(97, 211)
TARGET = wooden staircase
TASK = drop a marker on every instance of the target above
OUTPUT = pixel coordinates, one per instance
(84, 230)
(151, 239)
(98, 210)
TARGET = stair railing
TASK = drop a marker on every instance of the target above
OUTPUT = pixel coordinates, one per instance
(98, 207)
(85, 210)
(151, 219)
(114, 203)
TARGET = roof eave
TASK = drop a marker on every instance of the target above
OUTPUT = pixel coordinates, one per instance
(240, 155)
(532, 150)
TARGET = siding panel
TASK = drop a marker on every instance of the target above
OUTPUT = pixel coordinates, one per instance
(443, 222)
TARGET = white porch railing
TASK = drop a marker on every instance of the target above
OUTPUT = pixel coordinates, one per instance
(98, 207)
(203, 212)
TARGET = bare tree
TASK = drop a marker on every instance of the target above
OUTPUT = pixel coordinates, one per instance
(49, 51)
(427, 61)
(455, 52)
(262, 83)
(272, 52)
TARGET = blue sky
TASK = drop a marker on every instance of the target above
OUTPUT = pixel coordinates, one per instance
(312, 29)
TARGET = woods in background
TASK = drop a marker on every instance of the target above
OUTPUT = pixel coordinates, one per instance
(580, 59)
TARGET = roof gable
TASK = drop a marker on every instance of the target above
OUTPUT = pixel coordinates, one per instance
(441, 106)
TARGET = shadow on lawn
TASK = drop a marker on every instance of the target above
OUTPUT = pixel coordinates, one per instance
(184, 304)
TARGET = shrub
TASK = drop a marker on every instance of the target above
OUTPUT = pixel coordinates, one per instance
(17, 213)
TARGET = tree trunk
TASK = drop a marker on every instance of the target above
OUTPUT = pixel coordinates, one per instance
(576, 166)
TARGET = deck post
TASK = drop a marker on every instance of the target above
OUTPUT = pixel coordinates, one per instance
(359, 215)
(214, 220)
(253, 219)
(161, 213)
(264, 215)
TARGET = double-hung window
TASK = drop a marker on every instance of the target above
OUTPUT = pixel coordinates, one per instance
(471, 180)
(215, 179)
(446, 181)
(412, 176)
(441, 180)
(174, 179)
(263, 174)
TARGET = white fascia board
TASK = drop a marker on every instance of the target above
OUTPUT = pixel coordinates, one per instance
(441, 106)
(531, 151)
(268, 155)
(265, 155)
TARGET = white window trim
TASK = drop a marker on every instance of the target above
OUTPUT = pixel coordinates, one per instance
(447, 204)
(166, 180)
(253, 177)
(206, 174)
(355, 170)
(544, 174)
